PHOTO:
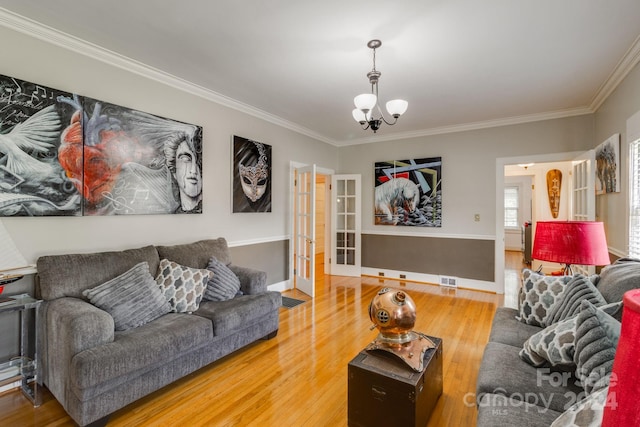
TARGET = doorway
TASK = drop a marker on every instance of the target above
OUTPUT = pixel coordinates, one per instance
(538, 209)
(310, 223)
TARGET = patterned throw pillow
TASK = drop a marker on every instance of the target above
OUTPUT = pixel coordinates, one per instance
(555, 345)
(587, 412)
(597, 335)
(224, 284)
(182, 286)
(132, 298)
(578, 289)
(538, 295)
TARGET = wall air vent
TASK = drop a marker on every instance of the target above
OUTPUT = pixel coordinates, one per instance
(449, 281)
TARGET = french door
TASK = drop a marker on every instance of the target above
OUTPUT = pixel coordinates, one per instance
(583, 195)
(345, 225)
(304, 229)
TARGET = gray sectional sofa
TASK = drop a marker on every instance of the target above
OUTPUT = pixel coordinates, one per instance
(93, 369)
(512, 392)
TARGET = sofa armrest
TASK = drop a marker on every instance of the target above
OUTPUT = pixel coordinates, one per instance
(78, 325)
(252, 281)
(70, 325)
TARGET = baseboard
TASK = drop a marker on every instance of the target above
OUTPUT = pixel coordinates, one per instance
(281, 286)
(462, 283)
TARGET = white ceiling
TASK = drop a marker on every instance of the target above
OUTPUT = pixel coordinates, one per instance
(461, 64)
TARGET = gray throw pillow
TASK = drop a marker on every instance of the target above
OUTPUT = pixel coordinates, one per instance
(132, 298)
(597, 335)
(578, 289)
(538, 295)
(182, 286)
(224, 285)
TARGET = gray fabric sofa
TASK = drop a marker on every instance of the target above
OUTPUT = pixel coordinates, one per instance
(510, 391)
(93, 370)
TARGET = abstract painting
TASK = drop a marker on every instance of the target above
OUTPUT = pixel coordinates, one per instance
(409, 192)
(32, 181)
(608, 165)
(64, 154)
(251, 176)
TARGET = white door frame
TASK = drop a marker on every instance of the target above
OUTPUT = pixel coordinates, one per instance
(501, 162)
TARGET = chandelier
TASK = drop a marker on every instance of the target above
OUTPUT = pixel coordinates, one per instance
(367, 103)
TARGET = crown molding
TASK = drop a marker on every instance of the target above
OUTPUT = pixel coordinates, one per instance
(473, 126)
(45, 33)
(624, 67)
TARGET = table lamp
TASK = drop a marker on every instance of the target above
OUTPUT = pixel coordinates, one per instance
(571, 242)
(13, 266)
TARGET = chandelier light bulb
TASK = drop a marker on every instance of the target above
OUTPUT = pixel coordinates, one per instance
(359, 116)
(397, 107)
(365, 102)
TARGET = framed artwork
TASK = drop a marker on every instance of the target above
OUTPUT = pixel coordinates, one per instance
(64, 154)
(608, 165)
(251, 176)
(408, 192)
(32, 180)
(137, 163)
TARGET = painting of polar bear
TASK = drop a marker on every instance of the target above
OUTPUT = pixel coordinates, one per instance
(408, 192)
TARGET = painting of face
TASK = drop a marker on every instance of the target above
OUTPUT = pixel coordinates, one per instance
(251, 176)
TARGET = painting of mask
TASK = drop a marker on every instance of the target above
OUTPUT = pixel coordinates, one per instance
(251, 176)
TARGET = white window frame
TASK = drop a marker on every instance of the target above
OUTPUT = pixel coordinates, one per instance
(634, 199)
(517, 208)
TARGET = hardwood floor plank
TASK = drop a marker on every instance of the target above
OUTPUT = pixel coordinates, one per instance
(299, 378)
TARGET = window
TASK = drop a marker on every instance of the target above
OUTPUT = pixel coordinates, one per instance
(634, 199)
(511, 206)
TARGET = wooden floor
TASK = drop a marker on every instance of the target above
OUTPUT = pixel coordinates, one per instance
(299, 378)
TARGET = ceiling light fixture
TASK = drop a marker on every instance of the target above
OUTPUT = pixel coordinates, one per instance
(366, 103)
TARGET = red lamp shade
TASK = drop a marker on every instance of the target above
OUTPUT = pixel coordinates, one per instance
(571, 242)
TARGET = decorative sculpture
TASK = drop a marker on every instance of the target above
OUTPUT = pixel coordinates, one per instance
(554, 185)
(394, 314)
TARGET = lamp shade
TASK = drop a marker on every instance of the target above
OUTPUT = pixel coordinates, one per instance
(365, 102)
(397, 107)
(571, 242)
(359, 116)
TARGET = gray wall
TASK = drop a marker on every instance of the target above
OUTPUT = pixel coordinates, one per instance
(468, 187)
(611, 118)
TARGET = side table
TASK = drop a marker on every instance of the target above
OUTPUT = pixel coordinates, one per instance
(26, 368)
(384, 391)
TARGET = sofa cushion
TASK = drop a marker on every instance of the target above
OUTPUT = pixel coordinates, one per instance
(538, 295)
(68, 275)
(579, 288)
(498, 410)
(587, 412)
(503, 372)
(239, 312)
(132, 298)
(597, 336)
(197, 254)
(139, 350)
(618, 278)
(223, 285)
(182, 286)
(507, 329)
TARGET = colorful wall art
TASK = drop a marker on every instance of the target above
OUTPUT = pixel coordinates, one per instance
(251, 176)
(608, 165)
(409, 192)
(89, 157)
